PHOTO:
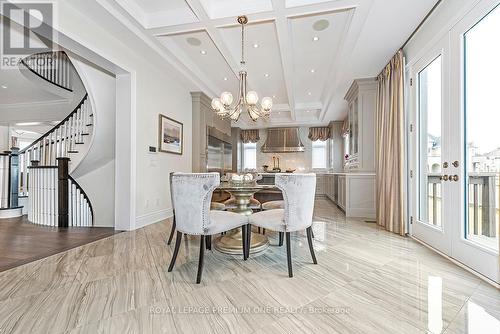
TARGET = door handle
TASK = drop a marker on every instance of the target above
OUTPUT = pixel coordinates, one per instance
(455, 164)
(455, 178)
(445, 177)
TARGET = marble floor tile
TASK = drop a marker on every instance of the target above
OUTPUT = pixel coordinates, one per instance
(366, 281)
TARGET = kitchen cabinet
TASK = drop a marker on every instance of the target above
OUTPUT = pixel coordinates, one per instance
(359, 141)
(341, 201)
(331, 187)
(320, 185)
(354, 193)
(205, 122)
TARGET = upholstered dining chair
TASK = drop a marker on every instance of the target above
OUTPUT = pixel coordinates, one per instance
(191, 194)
(279, 204)
(298, 194)
(213, 206)
(271, 205)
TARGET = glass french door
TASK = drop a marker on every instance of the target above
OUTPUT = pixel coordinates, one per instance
(456, 194)
(431, 147)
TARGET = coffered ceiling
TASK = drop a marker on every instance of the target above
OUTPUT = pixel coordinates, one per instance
(303, 53)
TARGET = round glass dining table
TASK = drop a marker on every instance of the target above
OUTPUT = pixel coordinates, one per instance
(231, 242)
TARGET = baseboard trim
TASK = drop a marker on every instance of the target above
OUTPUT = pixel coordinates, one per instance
(7, 213)
(153, 217)
(460, 264)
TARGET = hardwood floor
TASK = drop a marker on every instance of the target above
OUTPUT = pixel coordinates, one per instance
(366, 281)
(22, 242)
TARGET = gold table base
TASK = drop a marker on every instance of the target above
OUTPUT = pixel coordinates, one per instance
(231, 243)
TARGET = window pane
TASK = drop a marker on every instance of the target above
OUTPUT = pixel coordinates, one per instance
(250, 156)
(429, 107)
(482, 145)
(319, 154)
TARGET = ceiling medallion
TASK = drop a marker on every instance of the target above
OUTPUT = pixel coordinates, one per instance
(247, 101)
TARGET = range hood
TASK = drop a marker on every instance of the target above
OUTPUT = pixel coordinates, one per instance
(282, 140)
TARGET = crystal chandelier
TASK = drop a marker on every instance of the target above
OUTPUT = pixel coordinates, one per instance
(224, 106)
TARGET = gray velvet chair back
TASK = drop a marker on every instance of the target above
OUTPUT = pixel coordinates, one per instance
(191, 196)
(298, 193)
(171, 194)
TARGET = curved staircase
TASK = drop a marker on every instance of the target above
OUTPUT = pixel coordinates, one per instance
(54, 197)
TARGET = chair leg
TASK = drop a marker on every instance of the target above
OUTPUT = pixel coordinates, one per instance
(263, 231)
(249, 239)
(310, 242)
(312, 232)
(208, 242)
(289, 254)
(200, 259)
(258, 230)
(178, 240)
(172, 231)
(280, 239)
(244, 232)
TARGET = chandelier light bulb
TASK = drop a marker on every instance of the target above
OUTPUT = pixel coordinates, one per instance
(267, 103)
(217, 104)
(226, 98)
(252, 98)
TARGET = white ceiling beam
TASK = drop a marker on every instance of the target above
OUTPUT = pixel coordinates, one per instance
(284, 41)
(214, 34)
(124, 17)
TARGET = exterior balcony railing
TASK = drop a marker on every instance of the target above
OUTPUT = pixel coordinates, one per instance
(483, 200)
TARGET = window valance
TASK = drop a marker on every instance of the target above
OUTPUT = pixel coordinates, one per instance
(319, 133)
(249, 136)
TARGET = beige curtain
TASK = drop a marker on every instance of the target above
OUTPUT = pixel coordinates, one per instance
(319, 133)
(390, 146)
(250, 136)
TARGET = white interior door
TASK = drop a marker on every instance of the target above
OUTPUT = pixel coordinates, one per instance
(456, 142)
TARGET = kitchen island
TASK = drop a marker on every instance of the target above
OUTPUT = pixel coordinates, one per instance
(353, 192)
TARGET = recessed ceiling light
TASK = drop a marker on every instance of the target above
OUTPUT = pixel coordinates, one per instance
(279, 112)
(309, 93)
(266, 75)
(256, 45)
(203, 52)
(321, 25)
(315, 38)
(225, 78)
(193, 41)
(312, 70)
(274, 96)
(309, 111)
(4, 87)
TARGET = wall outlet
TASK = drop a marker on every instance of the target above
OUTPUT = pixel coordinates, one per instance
(152, 150)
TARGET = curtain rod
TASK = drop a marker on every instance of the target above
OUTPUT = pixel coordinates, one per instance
(421, 24)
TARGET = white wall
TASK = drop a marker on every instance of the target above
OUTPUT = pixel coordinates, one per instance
(156, 88)
(99, 185)
(94, 170)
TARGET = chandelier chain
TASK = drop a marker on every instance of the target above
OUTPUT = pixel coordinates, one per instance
(242, 44)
